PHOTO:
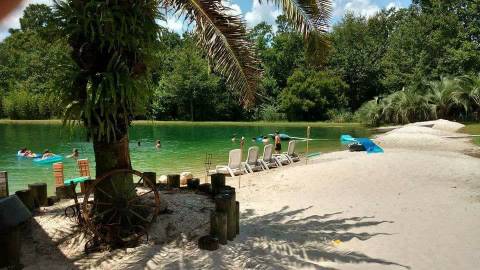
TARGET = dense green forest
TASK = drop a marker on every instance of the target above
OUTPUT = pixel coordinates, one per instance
(398, 66)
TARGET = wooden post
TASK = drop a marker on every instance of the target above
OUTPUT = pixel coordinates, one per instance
(213, 224)
(237, 217)
(229, 193)
(39, 194)
(84, 170)
(3, 184)
(221, 219)
(151, 177)
(27, 199)
(218, 182)
(193, 183)
(173, 180)
(308, 140)
(61, 191)
(208, 242)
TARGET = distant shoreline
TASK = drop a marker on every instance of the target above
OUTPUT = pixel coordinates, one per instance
(206, 123)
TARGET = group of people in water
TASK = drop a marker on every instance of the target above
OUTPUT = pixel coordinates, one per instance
(264, 139)
(25, 152)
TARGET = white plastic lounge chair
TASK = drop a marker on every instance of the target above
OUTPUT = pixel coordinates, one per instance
(252, 164)
(268, 160)
(234, 166)
(290, 156)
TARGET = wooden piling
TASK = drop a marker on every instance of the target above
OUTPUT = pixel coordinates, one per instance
(213, 224)
(218, 182)
(39, 194)
(3, 184)
(150, 177)
(221, 219)
(229, 192)
(193, 183)
(27, 199)
(208, 242)
(173, 180)
(237, 217)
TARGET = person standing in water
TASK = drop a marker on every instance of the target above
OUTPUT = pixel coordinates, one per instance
(278, 143)
(265, 140)
(75, 154)
(242, 142)
(158, 145)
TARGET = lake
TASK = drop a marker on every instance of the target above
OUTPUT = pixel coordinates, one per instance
(184, 145)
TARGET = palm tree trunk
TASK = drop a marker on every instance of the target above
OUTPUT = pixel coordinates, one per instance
(111, 156)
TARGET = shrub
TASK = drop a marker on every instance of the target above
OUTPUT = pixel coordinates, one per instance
(309, 95)
(340, 116)
(270, 112)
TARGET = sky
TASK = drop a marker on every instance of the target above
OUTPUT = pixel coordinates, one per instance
(253, 12)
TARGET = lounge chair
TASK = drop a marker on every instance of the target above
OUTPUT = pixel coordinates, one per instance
(268, 160)
(252, 164)
(234, 166)
(290, 156)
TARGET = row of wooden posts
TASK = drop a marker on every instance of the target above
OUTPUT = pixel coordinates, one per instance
(225, 219)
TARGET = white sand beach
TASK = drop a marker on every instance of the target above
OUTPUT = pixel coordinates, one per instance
(416, 206)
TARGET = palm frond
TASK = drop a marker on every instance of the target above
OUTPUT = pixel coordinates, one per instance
(307, 16)
(223, 35)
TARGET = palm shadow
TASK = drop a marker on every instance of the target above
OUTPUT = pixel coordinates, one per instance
(306, 242)
(277, 240)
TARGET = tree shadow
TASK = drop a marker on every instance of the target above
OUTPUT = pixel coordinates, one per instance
(276, 240)
(309, 241)
(40, 251)
(283, 239)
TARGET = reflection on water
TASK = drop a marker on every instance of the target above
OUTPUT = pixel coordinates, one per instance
(183, 147)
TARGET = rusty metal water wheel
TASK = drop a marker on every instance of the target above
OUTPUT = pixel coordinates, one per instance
(119, 215)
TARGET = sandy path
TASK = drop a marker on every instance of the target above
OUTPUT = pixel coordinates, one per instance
(401, 209)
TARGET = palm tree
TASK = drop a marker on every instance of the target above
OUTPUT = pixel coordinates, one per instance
(111, 43)
(442, 94)
(469, 93)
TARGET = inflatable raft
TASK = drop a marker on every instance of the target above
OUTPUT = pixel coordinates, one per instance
(48, 160)
(356, 144)
(21, 155)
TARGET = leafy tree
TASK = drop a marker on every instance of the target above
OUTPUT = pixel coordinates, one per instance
(112, 42)
(39, 18)
(311, 94)
(358, 47)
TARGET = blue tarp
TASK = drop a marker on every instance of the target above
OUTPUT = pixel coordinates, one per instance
(370, 146)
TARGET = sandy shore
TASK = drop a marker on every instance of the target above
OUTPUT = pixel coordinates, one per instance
(417, 206)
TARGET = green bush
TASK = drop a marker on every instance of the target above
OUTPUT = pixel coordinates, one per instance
(340, 116)
(309, 95)
(369, 113)
(25, 105)
(270, 112)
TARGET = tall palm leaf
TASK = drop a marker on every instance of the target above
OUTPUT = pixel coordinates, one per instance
(223, 35)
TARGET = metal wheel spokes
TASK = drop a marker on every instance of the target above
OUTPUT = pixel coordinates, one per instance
(125, 204)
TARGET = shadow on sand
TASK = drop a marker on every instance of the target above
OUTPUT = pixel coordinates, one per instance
(273, 241)
(284, 239)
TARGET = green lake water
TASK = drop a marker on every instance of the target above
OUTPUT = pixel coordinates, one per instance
(184, 146)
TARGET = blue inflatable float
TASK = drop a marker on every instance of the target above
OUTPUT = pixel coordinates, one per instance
(48, 160)
(368, 144)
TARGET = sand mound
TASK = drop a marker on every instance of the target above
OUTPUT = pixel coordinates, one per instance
(422, 141)
(430, 136)
(440, 124)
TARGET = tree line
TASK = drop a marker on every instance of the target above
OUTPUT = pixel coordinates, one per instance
(398, 66)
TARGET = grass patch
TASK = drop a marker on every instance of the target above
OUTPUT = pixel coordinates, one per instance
(473, 129)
